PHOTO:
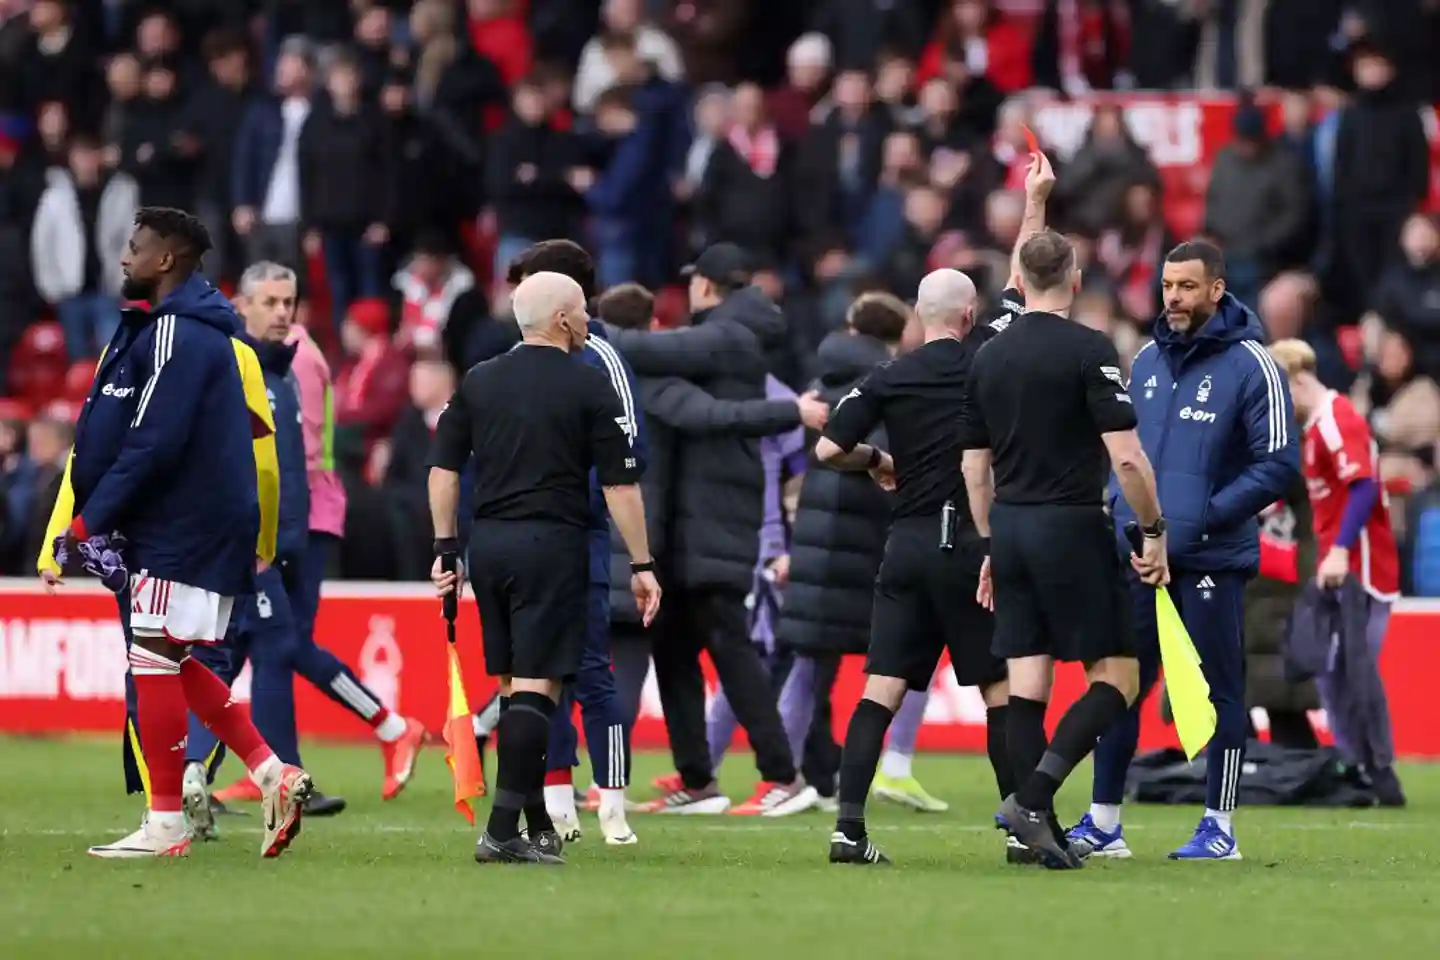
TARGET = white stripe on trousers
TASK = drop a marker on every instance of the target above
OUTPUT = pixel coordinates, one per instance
(1230, 769)
(614, 757)
(354, 696)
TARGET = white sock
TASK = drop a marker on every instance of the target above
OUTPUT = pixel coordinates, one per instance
(267, 775)
(560, 801)
(195, 770)
(170, 822)
(895, 765)
(612, 802)
(1223, 819)
(392, 728)
(1106, 816)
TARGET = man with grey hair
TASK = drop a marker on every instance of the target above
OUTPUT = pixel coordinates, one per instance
(537, 420)
(925, 593)
(271, 630)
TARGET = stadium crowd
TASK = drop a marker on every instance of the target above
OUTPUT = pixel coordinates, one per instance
(400, 154)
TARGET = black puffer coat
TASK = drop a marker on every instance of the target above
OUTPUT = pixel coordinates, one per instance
(720, 481)
(840, 528)
(676, 408)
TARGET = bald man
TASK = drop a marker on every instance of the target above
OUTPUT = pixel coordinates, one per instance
(537, 421)
(925, 594)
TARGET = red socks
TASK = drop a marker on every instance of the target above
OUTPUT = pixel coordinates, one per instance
(559, 778)
(228, 719)
(161, 719)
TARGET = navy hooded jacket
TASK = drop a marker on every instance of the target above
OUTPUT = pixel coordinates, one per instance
(1217, 422)
(600, 354)
(164, 445)
(293, 529)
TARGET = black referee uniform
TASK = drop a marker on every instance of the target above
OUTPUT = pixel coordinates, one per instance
(537, 419)
(925, 591)
(1042, 395)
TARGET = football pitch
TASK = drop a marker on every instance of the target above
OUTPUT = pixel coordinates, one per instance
(397, 881)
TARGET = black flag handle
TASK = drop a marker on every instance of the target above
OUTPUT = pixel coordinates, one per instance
(450, 603)
(1136, 538)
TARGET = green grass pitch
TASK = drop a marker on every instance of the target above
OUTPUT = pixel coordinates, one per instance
(397, 880)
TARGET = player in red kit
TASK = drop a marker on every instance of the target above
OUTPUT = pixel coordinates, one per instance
(1341, 464)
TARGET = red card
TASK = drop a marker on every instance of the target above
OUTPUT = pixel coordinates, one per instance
(1030, 140)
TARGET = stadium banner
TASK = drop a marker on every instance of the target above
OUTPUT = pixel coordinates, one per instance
(62, 670)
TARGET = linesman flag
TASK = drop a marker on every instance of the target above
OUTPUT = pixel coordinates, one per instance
(1185, 681)
(462, 754)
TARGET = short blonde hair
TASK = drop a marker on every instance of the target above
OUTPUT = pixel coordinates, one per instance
(1293, 356)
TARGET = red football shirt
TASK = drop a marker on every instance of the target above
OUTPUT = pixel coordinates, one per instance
(1339, 450)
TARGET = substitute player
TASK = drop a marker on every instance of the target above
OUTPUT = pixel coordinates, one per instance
(1341, 464)
(1045, 407)
(1216, 419)
(537, 422)
(163, 456)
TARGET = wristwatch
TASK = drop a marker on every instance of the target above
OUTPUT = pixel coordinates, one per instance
(1155, 531)
(644, 566)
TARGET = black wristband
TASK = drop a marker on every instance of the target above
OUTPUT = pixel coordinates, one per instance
(446, 545)
(876, 455)
(985, 542)
(645, 566)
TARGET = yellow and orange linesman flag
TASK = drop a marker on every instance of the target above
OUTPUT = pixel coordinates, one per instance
(462, 754)
(1184, 678)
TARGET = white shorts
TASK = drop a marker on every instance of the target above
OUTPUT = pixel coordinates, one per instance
(183, 613)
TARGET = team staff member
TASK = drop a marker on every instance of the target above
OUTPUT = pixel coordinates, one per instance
(926, 589)
(537, 421)
(1047, 404)
(1216, 419)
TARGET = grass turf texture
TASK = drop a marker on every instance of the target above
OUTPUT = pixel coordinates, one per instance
(396, 880)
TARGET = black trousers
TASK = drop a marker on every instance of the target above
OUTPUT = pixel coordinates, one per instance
(714, 620)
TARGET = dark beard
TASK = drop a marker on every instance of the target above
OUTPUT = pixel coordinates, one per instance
(132, 289)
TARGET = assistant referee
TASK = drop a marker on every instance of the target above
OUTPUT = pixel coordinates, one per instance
(926, 588)
(537, 420)
(1047, 405)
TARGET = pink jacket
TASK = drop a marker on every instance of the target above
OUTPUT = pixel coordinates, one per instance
(317, 413)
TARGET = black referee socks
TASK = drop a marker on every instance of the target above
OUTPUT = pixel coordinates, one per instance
(996, 739)
(1083, 724)
(520, 743)
(864, 741)
(1024, 737)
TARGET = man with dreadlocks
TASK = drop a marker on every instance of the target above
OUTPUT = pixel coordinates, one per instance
(165, 490)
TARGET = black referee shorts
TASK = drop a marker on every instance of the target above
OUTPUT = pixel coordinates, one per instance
(531, 583)
(1059, 590)
(924, 603)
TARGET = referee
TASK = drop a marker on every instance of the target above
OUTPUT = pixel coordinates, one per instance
(537, 420)
(925, 593)
(1049, 404)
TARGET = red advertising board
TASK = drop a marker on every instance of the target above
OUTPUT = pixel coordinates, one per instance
(62, 668)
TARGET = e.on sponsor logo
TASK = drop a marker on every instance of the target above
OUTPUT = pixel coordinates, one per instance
(45, 659)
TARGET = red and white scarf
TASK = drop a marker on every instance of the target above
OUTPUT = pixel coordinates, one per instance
(760, 150)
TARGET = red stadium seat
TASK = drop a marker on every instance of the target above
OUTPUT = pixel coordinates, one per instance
(1352, 346)
(671, 306)
(78, 379)
(11, 409)
(38, 364)
(66, 411)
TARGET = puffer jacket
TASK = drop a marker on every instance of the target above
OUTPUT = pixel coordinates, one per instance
(840, 527)
(720, 481)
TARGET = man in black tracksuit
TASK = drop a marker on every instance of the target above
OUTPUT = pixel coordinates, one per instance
(718, 508)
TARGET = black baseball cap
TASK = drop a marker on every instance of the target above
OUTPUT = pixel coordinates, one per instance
(723, 264)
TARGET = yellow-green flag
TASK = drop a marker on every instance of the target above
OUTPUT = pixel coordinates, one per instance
(1184, 680)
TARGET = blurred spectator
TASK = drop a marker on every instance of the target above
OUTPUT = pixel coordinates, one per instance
(498, 33)
(57, 65)
(1381, 175)
(596, 74)
(54, 126)
(902, 165)
(17, 489)
(895, 85)
(745, 196)
(265, 179)
(989, 45)
(924, 217)
(345, 183)
(1104, 167)
(405, 473)
(530, 174)
(429, 283)
(157, 39)
(80, 233)
(21, 183)
(47, 450)
(1132, 251)
(860, 29)
(370, 392)
(711, 124)
(426, 186)
(213, 116)
(125, 81)
(1290, 306)
(1081, 45)
(1403, 406)
(374, 27)
(839, 165)
(460, 90)
(1298, 37)
(1170, 32)
(1408, 298)
(154, 147)
(807, 68)
(707, 32)
(1256, 205)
